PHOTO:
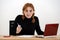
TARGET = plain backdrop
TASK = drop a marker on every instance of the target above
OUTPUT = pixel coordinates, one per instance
(48, 11)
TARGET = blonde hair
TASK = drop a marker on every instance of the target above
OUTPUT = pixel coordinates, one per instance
(28, 5)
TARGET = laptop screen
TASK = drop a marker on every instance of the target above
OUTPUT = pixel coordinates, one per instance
(51, 29)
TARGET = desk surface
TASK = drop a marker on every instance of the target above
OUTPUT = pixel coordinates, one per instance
(28, 38)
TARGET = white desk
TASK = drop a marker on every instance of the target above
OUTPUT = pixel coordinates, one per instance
(28, 38)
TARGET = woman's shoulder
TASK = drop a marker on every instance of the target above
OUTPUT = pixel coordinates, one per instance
(19, 16)
(35, 17)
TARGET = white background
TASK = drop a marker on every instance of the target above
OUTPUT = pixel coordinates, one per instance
(48, 11)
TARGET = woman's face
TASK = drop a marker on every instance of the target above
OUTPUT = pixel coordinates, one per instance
(28, 12)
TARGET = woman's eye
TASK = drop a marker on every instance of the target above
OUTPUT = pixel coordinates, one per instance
(26, 10)
(30, 10)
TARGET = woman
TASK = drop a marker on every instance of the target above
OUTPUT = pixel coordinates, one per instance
(27, 23)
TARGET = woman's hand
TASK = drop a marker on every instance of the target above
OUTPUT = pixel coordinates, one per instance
(18, 29)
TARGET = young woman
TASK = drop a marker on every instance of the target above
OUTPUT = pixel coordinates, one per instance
(27, 23)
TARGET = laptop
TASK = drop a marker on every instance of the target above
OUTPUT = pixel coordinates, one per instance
(50, 30)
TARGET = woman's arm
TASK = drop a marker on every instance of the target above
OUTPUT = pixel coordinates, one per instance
(38, 29)
(15, 25)
(18, 29)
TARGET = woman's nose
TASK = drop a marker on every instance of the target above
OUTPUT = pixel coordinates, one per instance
(28, 12)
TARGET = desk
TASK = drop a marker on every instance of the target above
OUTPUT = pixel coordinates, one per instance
(31, 38)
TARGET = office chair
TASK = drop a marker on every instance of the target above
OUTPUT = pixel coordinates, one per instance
(11, 23)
